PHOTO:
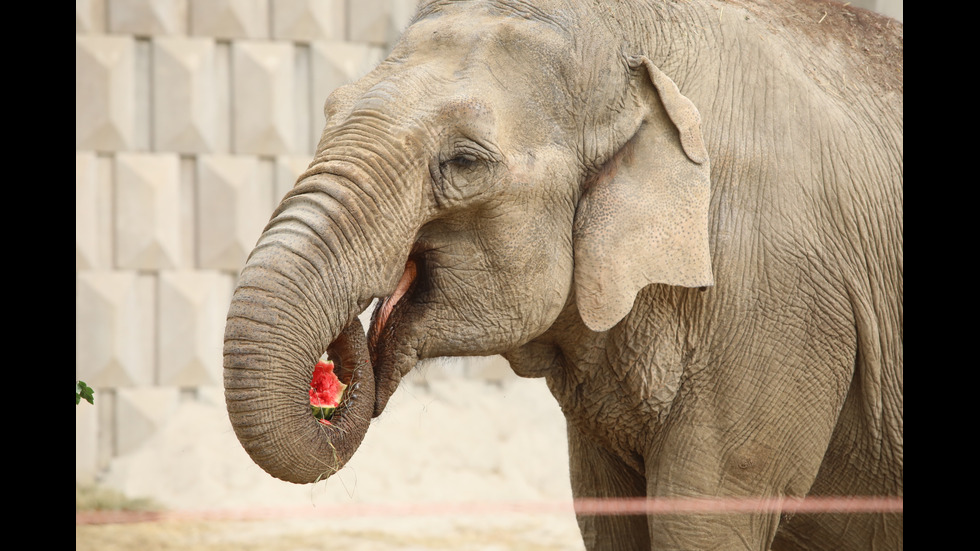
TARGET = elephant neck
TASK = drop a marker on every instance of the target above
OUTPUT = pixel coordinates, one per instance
(596, 376)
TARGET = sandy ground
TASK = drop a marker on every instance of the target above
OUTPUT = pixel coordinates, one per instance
(441, 469)
(524, 534)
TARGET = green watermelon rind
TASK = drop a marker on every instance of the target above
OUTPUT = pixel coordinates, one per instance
(323, 412)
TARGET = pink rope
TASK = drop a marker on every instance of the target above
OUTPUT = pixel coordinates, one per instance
(587, 506)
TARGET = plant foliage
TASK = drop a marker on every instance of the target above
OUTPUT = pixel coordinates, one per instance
(82, 390)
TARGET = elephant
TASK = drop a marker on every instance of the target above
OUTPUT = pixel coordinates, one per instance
(686, 216)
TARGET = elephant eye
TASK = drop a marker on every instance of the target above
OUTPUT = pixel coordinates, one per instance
(459, 166)
(463, 160)
(462, 173)
(464, 155)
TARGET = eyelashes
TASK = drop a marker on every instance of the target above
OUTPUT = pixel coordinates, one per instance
(462, 160)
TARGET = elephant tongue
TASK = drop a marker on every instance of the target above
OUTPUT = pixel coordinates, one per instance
(381, 318)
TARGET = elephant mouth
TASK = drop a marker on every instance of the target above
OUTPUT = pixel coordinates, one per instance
(393, 357)
(389, 360)
(383, 312)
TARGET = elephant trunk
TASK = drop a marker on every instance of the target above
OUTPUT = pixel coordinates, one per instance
(311, 273)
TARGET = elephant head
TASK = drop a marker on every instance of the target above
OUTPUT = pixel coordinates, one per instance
(493, 172)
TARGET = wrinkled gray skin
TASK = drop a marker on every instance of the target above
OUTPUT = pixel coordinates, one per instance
(686, 216)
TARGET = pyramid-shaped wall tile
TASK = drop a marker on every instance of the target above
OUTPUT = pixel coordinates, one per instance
(147, 211)
(147, 17)
(114, 328)
(230, 18)
(140, 413)
(379, 22)
(234, 203)
(193, 307)
(105, 92)
(93, 212)
(186, 96)
(211, 395)
(338, 63)
(264, 97)
(90, 16)
(309, 20)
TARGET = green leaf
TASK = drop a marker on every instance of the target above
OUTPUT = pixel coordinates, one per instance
(82, 390)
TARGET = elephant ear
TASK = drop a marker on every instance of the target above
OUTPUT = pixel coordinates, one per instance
(644, 218)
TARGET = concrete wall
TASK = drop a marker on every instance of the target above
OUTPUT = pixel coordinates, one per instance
(192, 119)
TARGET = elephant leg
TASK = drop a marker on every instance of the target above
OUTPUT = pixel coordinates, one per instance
(706, 466)
(597, 473)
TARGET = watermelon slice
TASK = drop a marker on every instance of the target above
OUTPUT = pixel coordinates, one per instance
(326, 391)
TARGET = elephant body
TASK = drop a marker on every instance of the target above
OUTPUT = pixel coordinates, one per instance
(686, 216)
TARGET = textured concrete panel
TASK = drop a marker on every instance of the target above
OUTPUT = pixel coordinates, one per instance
(193, 307)
(105, 92)
(93, 212)
(105, 427)
(339, 63)
(188, 211)
(230, 18)
(114, 328)
(140, 413)
(86, 205)
(211, 395)
(309, 20)
(185, 110)
(288, 169)
(234, 204)
(147, 17)
(90, 16)
(143, 141)
(303, 118)
(147, 211)
(224, 97)
(379, 22)
(264, 90)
